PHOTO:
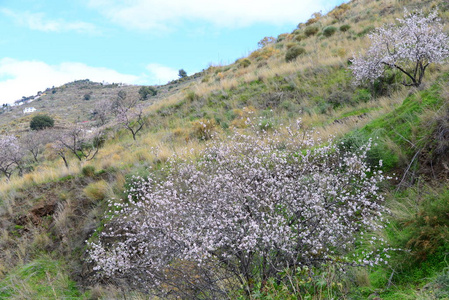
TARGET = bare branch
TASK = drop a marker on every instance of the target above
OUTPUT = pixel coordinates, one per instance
(129, 113)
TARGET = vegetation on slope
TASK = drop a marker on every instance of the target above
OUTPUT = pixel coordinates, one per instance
(47, 214)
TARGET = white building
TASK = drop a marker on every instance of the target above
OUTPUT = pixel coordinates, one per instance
(29, 110)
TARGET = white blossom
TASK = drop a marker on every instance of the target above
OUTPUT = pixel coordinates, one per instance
(410, 47)
(246, 209)
(11, 155)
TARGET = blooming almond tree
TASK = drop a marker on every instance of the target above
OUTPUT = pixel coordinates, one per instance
(246, 210)
(11, 155)
(409, 46)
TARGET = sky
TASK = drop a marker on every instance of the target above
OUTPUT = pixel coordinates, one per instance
(45, 43)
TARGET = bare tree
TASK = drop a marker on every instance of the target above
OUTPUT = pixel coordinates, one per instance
(102, 111)
(409, 47)
(129, 113)
(61, 151)
(83, 143)
(266, 41)
(34, 142)
(11, 156)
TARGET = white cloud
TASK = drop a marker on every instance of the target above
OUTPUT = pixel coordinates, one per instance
(160, 74)
(38, 21)
(26, 78)
(159, 15)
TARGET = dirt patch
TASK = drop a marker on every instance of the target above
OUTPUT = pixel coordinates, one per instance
(36, 213)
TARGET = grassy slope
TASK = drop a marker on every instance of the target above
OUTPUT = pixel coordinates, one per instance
(47, 214)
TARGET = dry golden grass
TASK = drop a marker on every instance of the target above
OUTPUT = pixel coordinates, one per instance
(97, 191)
(8, 202)
(43, 173)
(65, 211)
(120, 181)
(40, 239)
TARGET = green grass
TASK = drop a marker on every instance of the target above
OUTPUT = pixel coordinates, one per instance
(401, 133)
(418, 228)
(400, 123)
(42, 278)
(358, 112)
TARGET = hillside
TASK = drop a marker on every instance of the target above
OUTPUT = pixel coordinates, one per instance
(51, 213)
(76, 102)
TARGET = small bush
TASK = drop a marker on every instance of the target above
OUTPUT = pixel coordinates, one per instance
(299, 37)
(329, 31)
(341, 52)
(365, 31)
(290, 45)
(203, 129)
(147, 91)
(345, 27)
(391, 81)
(293, 53)
(96, 191)
(339, 98)
(279, 46)
(311, 30)
(281, 37)
(87, 96)
(266, 125)
(288, 105)
(88, 171)
(339, 11)
(315, 18)
(264, 53)
(191, 96)
(41, 122)
(244, 63)
(182, 73)
(362, 95)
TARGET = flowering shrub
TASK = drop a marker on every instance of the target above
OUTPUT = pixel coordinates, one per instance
(408, 47)
(245, 210)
